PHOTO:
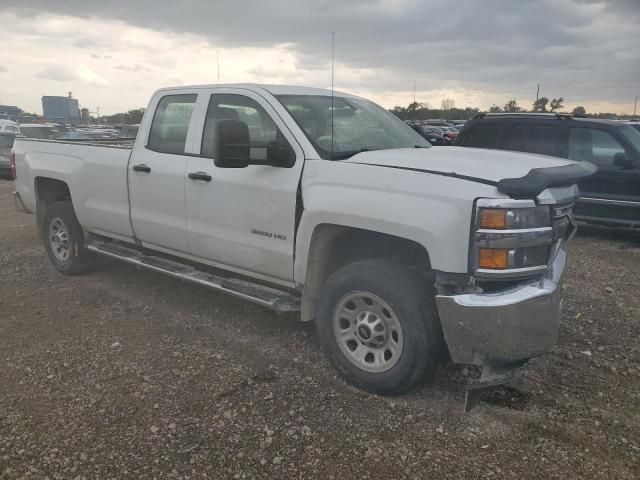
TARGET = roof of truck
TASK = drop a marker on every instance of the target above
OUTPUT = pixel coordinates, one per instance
(273, 89)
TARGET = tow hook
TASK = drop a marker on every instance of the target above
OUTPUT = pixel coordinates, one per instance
(492, 376)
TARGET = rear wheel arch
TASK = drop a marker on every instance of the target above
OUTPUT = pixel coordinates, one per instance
(48, 190)
(333, 246)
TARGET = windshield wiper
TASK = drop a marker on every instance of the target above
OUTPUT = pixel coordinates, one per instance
(350, 153)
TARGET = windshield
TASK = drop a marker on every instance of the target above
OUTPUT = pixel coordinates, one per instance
(38, 132)
(358, 125)
(632, 135)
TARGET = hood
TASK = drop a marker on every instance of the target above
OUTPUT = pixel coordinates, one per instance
(479, 163)
(513, 173)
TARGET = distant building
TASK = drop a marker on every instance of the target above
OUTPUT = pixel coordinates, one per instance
(61, 109)
(8, 111)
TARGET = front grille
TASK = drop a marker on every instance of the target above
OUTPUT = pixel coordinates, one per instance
(562, 223)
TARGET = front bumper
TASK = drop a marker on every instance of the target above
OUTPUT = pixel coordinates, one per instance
(504, 327)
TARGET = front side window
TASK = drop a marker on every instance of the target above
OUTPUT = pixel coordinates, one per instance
(593, 145)
(171, 123)
(358, 125)
(263, 131)
(482, 135)
(632, 135)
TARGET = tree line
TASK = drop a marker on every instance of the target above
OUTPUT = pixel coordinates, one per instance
(130, 117)
(448, 110)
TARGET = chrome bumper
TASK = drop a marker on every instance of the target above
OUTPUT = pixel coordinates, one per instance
(516, 324)
(17, 203)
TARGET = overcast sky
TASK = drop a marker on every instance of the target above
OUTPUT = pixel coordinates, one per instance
(112, 54)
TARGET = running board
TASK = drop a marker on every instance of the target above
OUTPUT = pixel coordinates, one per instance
(272, 298)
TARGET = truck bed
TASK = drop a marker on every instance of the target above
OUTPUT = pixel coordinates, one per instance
(95, 173)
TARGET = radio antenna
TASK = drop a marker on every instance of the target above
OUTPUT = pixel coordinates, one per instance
(332, 70)
(218, 63)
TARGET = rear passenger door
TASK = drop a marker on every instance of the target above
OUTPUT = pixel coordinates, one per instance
(157, 175)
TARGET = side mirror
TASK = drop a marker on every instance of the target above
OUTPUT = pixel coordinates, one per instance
(280, 155)
(620, 159)
(231, 147)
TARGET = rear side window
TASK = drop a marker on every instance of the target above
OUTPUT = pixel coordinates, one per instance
(171, 123)
(482, 135)
(542, 139)
(592, 145)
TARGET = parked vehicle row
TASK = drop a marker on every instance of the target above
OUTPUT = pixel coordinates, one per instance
(612, 195)
(437, 133)
(49, 131)
(326, 204)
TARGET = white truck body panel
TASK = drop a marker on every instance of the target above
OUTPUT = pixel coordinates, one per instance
(96, 175)
(431, 210)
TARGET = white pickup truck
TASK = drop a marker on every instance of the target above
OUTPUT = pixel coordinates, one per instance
(303, 200)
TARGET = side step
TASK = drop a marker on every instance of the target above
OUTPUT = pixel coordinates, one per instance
(277, 300)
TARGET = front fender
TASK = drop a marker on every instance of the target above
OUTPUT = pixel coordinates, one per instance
(431, 210)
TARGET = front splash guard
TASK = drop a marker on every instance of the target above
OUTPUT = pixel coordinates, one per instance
(492, 376)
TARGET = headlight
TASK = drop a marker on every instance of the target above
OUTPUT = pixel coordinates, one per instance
(512, 238)
(510, 218)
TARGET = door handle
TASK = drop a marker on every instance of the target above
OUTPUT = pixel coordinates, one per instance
(142, 168)
(200, 176)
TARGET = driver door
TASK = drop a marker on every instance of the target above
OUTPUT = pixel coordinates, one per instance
(243, 219)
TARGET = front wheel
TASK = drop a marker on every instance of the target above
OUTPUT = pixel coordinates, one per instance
(378, 324)
(64, 239)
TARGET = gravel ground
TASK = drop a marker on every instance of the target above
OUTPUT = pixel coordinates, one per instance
(124, 373)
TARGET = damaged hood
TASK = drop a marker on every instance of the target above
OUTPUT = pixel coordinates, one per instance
(513, 173)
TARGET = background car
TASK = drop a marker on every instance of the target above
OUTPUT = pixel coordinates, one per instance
(6, 144)
(40, 131)
(433, 135)
(612, 195)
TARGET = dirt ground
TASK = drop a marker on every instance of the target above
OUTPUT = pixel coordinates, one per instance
(125, 373)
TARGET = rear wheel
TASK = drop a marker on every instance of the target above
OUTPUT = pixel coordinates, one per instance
(379, 327)
(64, 239)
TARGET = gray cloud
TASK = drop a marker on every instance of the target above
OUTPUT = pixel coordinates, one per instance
(133, 68)
(581, 49)
(57, 72)
(3, 69)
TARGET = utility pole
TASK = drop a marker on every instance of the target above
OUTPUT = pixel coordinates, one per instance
(538, 93)
(414, 91)
(634, 107)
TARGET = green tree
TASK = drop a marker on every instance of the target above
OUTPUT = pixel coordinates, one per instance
(134, 116)
(495, 109)
(579, 110)
(556, 104)
(512, 106)
(540, 105)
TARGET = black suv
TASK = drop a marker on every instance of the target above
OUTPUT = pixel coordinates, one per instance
(612, 195)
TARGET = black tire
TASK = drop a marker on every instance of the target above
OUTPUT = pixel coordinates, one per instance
(61, 216)
(412, 302)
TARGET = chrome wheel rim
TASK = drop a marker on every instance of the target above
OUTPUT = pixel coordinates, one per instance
(368, 332)
(59, 240)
